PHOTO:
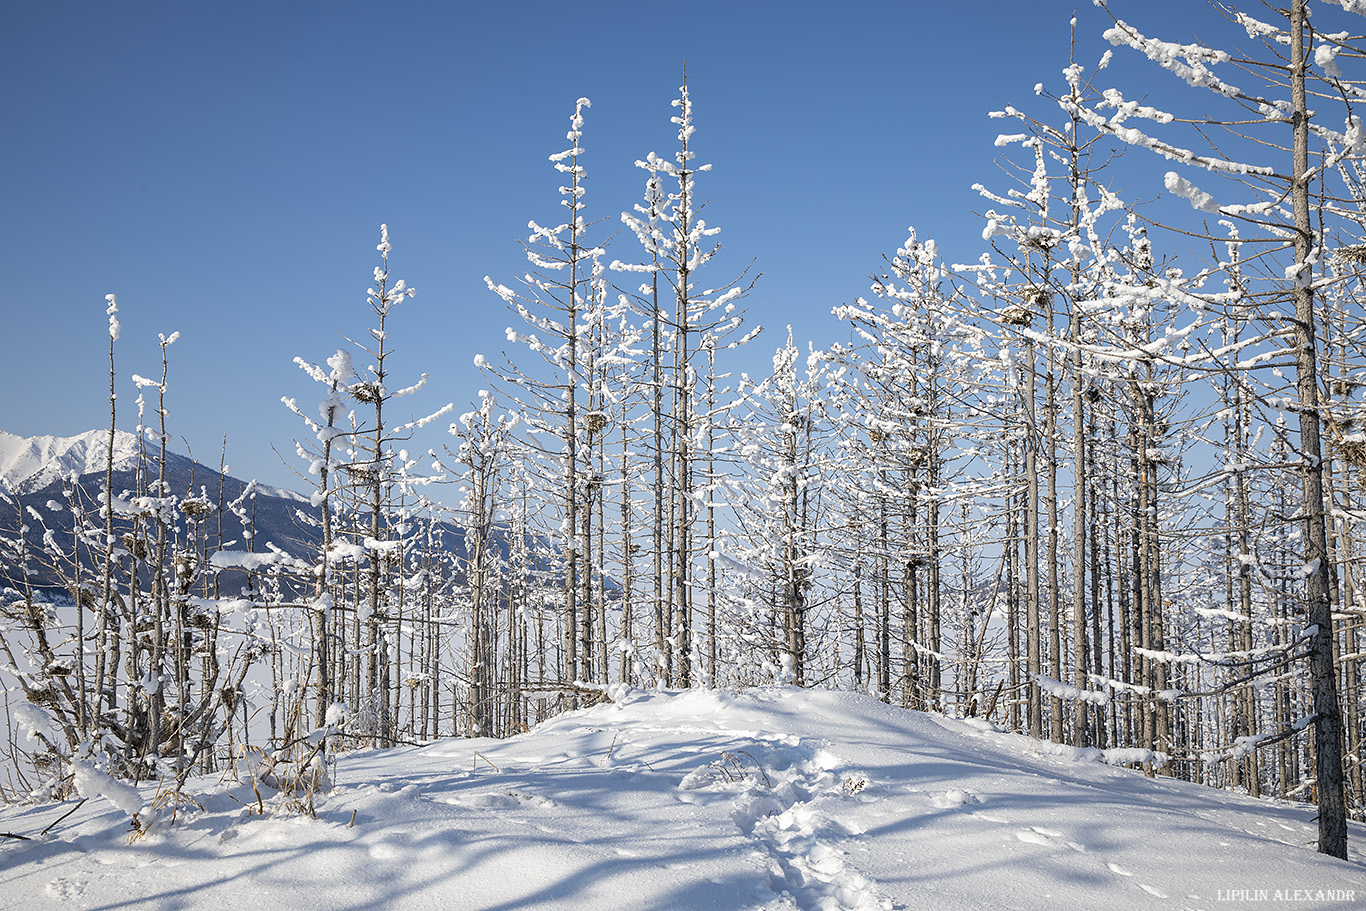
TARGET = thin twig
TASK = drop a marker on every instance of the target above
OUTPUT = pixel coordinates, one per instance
(64, 815)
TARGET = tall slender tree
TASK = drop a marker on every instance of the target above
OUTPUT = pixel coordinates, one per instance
(564, 284)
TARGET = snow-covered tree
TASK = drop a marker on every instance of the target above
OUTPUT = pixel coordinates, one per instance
(1282, 188)
(564, 290)
(678, 243)
(781, 443)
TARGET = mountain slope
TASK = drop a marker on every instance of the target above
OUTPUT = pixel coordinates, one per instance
(777, 799)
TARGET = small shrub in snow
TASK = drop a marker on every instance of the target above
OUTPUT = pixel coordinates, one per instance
(853, 784)
(732, 768)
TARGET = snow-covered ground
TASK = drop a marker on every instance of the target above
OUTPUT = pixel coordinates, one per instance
(773, 799)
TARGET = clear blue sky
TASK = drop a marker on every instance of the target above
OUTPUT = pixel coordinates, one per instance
(224, 168)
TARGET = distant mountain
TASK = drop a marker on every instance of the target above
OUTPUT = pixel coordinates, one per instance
(29, 464)
(36, 470)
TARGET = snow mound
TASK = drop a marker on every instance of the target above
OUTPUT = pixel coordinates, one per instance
(781, 799)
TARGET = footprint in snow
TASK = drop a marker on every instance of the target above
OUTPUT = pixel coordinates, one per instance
(1036, 835)
(778, 795)
(509, 800)
(65, 889)
(1120, 871)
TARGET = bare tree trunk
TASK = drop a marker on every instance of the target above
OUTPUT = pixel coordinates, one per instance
(1080, 467)
(712, 656)
(1055, 709)
(682, 626)
(1093, 487)
(1012, 553)
(910, 604)
(860, 649)
(626, 669)
(106, 660)
(884, 620)
(1081, 735)
(1319, 615)
(1033, 645)
(660, 522)
(600, 564)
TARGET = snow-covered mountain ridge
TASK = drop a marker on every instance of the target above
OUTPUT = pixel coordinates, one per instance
(778, 799)
(28, 464)
(31, 463)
